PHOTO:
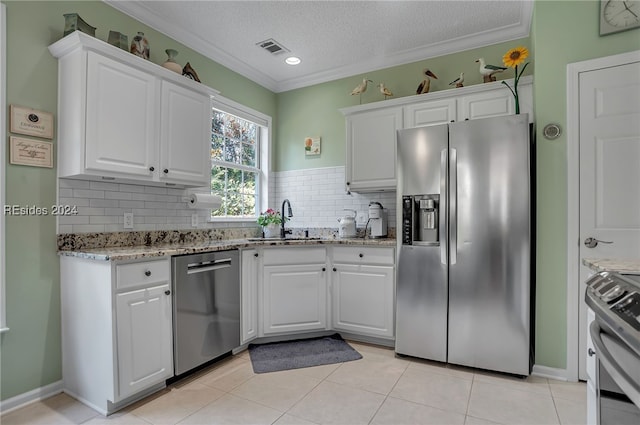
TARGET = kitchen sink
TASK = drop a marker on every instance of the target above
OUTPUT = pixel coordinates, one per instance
(281, 239)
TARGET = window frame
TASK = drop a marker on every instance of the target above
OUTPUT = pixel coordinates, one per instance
(263, 122)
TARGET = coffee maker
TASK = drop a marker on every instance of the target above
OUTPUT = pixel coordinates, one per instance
(377, 220)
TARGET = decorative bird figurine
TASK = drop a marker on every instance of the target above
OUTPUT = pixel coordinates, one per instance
(458, 81)
(385, 91)
(360, 88)
(426, 83)
(487, 71)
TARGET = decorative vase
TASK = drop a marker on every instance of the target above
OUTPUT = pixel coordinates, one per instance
(140, 46)
(271, 230)
(170, 63)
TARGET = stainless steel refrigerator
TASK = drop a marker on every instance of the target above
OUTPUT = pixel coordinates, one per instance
(464, 259)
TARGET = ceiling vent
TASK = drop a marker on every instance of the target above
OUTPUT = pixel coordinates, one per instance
(272, 46)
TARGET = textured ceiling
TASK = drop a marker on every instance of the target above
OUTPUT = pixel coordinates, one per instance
(334, 39)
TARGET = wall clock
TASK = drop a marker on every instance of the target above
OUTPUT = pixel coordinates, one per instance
(619, 15)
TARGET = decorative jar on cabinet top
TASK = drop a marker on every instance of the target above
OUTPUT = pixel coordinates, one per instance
(140, 46)
(170, 63)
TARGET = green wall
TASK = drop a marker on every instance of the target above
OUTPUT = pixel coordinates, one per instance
(31, 350)
(564, 32)
(313, 111)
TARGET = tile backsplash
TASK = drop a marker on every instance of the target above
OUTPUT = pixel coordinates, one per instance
(317, 197)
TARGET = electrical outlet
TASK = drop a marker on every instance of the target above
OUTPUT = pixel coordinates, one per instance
(361, 218)
(128, 220)
(194, 220)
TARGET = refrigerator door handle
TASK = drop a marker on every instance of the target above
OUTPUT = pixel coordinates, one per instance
(442, 227)
(453, 205)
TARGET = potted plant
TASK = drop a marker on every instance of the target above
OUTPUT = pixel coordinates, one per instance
(271, 221)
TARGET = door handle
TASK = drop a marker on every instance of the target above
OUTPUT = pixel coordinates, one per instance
(453, 207)
(593, 242)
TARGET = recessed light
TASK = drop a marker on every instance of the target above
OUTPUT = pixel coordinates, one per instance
(292, 60)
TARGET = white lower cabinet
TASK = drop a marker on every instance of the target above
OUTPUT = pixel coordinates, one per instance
(294, 282)
(362, 286)
(117, 340)
(143, 331)
(294, 298)
(292, 289)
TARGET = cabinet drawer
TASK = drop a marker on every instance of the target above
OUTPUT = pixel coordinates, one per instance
(364, 255)
(299, 255)
(139, 274)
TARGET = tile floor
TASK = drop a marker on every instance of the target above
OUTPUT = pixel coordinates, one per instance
(378, 389)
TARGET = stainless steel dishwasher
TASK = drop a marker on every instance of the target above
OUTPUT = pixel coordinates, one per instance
(206, 307)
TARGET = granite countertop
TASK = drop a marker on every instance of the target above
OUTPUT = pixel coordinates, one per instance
(116, 253)
(612, 264)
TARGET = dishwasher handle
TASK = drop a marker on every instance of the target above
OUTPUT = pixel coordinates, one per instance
(208, 266)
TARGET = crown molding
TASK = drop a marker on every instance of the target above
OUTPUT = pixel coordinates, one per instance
(498, 35)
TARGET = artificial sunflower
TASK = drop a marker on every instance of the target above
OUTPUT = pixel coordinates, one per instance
(512, 59)
(515, 57)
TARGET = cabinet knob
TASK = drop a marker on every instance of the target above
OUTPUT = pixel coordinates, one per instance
(324, 269)
(147, 273)
(255, 255)
(166, 171)
(152, 168)
(335, 270)
(361, 255)
(591, 352)
(167, 292)
(348, 183)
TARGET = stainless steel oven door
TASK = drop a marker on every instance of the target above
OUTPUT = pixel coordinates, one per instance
(617, 379)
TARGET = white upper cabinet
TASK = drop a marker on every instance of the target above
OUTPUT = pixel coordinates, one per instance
(430, 113)
(371, 128)
(122, 106)
(183, 135)
(124, 118)
(370, 156)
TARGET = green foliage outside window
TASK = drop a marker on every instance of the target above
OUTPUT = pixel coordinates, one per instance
(234, 170)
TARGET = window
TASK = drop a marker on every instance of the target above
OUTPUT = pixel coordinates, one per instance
(239, 153)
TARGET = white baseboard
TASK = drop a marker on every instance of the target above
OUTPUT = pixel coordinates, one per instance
(29, 397)
(550, 372)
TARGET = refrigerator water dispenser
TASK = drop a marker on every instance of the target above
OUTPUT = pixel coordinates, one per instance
(420, 219)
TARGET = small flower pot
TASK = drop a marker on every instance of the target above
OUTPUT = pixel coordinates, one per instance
(271, 231)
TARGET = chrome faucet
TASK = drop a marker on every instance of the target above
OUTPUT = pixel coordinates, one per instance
(289, 214)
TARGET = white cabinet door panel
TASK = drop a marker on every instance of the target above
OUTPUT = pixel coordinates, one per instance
(185, 135)
(430, 113)
(363, 299)
(486, 104)
(294, 298)
(122, 108)
(371, 149)
(145, 346)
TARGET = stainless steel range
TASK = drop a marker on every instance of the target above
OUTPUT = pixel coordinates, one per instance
(615, 333)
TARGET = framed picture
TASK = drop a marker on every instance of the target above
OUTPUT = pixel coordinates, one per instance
(35, 153)
(312, 146)
(31, 122)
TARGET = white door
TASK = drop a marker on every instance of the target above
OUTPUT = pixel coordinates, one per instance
(609, 137)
